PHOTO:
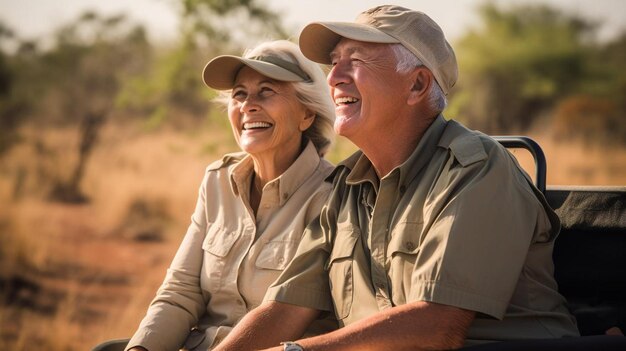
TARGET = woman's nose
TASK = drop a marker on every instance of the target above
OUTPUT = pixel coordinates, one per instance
(249, 105)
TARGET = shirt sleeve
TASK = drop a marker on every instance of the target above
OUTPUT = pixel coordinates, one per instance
(482, 219)
(179, 302)
(304, 282)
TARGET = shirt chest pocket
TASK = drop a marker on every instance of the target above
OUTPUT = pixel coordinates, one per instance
(340, 269)
(217, 246)
(405, 239)
(404, 248)
(275, 255)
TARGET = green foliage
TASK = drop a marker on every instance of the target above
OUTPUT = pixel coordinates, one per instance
(518, 64)
(92, 59)
(173, 84)
(16, 95)
(212, 23)
(527, 62)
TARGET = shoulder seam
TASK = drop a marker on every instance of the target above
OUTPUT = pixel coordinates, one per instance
(226, 160)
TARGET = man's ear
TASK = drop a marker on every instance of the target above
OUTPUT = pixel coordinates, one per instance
(421, 79)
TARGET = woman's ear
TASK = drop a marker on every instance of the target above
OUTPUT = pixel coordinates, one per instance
(307, 121)
(421, 79)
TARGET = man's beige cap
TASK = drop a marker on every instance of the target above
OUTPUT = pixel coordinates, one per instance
(220, 73)
(387, 24)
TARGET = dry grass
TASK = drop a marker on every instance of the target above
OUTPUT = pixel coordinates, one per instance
(575, 163)
(75, 275)
(87, 272)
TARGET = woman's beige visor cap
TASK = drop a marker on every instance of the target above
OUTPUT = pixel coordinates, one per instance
(387, 24)
(220, 73)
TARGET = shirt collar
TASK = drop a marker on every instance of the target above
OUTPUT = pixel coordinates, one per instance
(362, 170)
(287, 183)
(424, 151)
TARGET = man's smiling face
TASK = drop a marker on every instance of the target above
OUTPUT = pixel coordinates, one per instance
(366, 88)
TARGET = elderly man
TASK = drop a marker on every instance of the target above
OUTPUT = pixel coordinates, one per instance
(432, 238)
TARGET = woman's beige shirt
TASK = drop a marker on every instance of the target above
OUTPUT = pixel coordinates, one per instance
(229, 257)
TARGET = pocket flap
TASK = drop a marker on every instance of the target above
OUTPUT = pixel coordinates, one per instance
(276, 254)
(219, 241)
(405, 238)
(347, 236)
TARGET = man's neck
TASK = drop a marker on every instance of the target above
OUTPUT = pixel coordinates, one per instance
(394, 146)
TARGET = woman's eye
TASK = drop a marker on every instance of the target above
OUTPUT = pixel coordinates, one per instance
(265, 92)
(238, 95)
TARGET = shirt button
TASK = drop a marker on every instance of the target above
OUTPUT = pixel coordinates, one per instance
(281, 260)
(402, 189)
(285, 196)
(409, 245)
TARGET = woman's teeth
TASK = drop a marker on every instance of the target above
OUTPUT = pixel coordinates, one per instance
(256, 125)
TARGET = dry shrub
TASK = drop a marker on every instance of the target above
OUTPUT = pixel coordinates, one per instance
(589, 119)
(34, 167)
(20, 254)
(146, 220)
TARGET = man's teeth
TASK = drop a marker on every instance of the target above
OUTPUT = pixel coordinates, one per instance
(345, 100)
(255, 125)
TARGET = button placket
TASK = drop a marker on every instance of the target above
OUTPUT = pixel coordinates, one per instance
(383, 210)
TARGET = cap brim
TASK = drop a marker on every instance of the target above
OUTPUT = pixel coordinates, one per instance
(220, 73)
(318, 39)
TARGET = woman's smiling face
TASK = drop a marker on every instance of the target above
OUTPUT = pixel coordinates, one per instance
(266, 116)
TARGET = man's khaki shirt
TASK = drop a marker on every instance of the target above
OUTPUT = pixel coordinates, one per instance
(229, 257)
(458, 224)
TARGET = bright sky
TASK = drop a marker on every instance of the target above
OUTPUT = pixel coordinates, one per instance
(34, 18)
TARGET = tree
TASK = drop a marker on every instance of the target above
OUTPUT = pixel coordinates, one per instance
(596, 113)
(518, 64)
(98, 66)
(207, 28)
(10, 104)
(84, 71)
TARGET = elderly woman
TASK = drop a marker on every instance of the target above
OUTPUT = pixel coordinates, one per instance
(253, 206)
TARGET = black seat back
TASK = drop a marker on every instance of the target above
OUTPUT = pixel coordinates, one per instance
(590, 255)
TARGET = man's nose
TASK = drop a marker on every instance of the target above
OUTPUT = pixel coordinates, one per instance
(338, 74)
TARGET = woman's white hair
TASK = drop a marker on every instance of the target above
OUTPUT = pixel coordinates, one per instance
(407, 61)
(313, 94)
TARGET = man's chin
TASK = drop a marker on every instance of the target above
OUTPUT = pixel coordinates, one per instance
(345, 125)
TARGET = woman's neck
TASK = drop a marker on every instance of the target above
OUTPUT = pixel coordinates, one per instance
(269, 166)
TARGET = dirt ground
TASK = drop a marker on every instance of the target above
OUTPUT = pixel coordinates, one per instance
(92, 287)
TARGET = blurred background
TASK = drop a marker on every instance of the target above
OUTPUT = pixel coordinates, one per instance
(106, 128)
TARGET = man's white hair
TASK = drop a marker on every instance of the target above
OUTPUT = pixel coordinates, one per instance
(407, 61)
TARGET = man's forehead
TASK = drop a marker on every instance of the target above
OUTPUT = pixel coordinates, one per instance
(349, 46)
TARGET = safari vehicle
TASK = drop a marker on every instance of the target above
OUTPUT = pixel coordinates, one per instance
(589, 258)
